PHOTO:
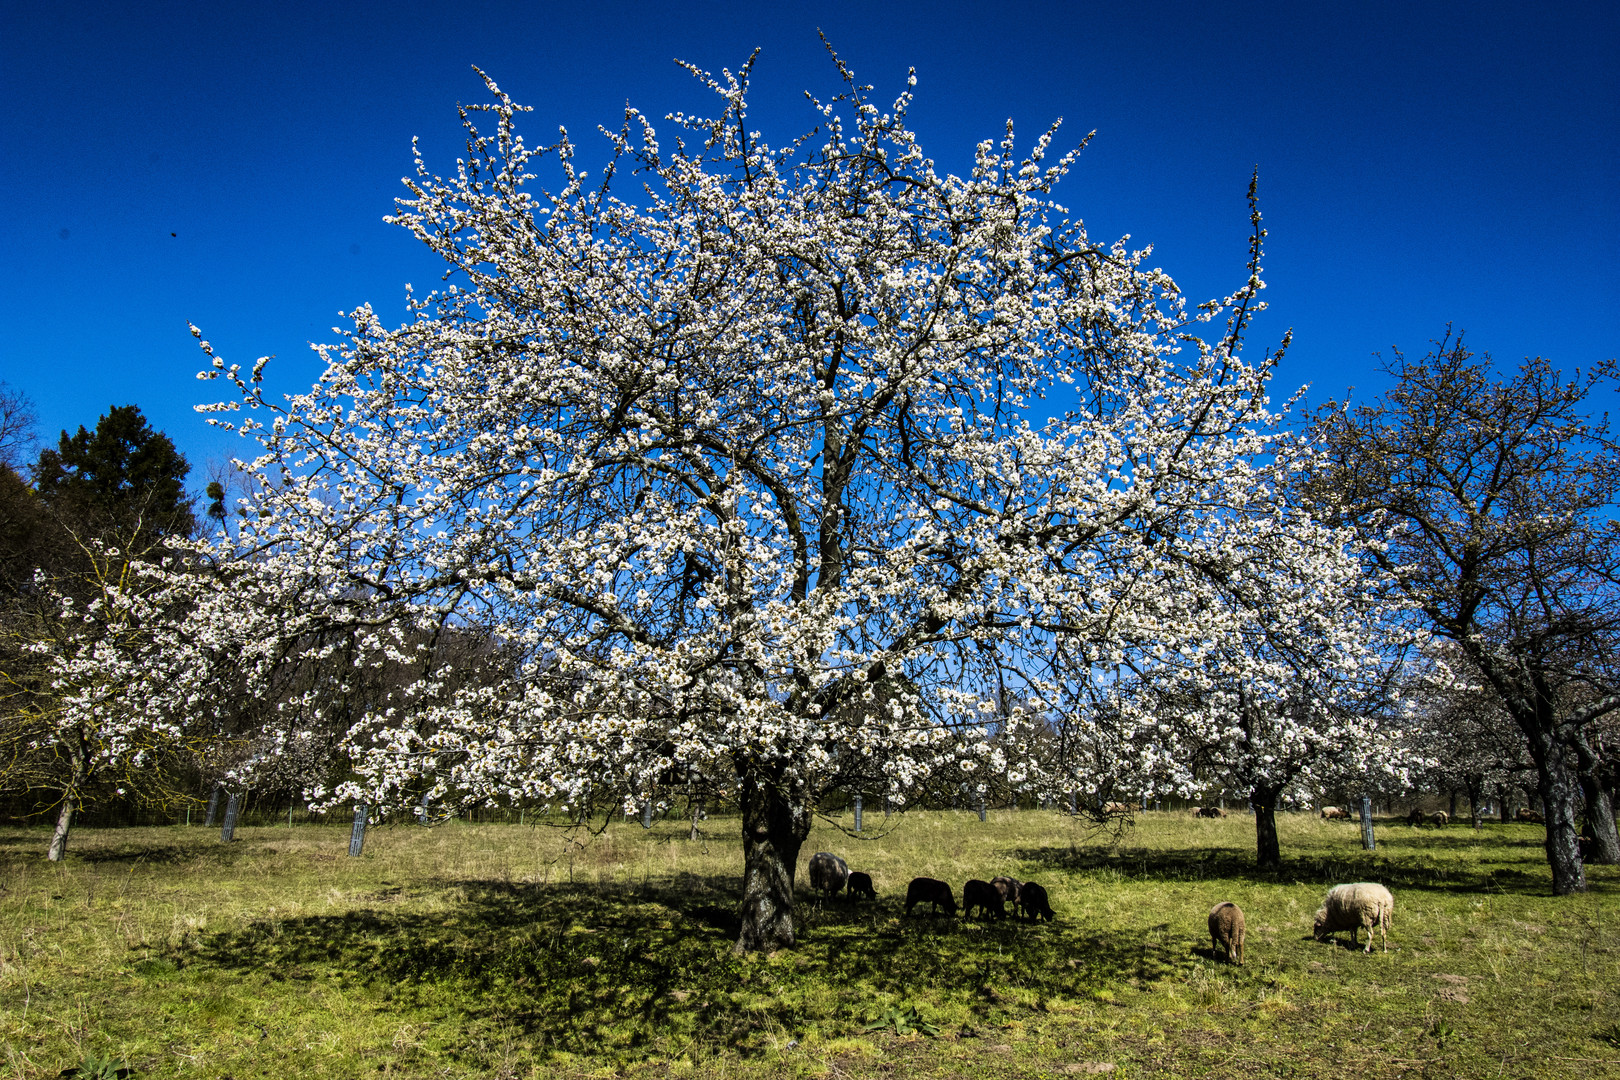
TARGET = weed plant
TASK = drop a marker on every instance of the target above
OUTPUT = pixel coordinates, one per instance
(520, 951)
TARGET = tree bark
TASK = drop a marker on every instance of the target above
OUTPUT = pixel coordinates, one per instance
(775, 824)
(1599, 809)
(1268, 851)
(1558, 787)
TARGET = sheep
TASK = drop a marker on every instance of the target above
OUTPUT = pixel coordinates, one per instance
(1439, 817)
(1415, 818)
(1009, 889)
(1033, 899)
(1533, 816)
(1116, 808)
(1350, 907)
(1332, 813)
(860, 885)
(1208, 811)
(984, 896)
(1226, 931)
(828, 872)
(927, 890)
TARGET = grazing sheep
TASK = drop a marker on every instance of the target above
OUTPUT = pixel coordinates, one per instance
(1226, 931)
(1415, 818)
(1208, 811)
(984, 896)
(860, 885)
(1116, 808)
(1009, 889)
(1034, 901)
(1439, 817)
(1331, 813)
(1350, 907)
(1534, 816)
(927, 890)
(828, 872)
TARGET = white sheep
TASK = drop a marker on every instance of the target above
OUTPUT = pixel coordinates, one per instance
(1350, 907)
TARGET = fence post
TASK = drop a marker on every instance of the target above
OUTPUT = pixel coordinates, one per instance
(213, 808)
(857, 813)
(1366, 824)
(981, 809)
(1074, 804)
(228, 830)
(646, 814)
(357, 836)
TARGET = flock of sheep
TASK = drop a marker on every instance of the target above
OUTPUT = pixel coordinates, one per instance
(1346, 907)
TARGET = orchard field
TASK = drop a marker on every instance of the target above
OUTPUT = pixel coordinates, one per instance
(488, 950)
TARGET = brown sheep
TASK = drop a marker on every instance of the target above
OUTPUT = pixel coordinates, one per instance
(1034, 900)
(1116, 808)
(1333, 813)
(1416, 818)
(1008, 888)
(1209, 812)
(927, 890)
(1533, 816)
(1226, 931)
(984, 896)
(860, 885)
(828, 873)
(1439, 817)
(1350, 907)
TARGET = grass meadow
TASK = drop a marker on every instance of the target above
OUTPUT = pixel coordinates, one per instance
(513, 951)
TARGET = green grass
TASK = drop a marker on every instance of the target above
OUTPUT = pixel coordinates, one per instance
(505, 951)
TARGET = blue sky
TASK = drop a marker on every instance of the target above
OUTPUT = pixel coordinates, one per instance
(1420, 162)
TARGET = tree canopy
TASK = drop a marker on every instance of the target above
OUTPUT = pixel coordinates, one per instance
(787, 457)
(1490, 502)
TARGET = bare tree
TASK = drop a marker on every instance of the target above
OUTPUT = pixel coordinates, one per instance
(17, 419)
(1494, 498)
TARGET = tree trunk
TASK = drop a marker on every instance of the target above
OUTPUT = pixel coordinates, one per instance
(59, 838)
(1476, 790)
(774, 825)
(1599, 810)
(1557, 784)
(1268, 851)
(70, 798)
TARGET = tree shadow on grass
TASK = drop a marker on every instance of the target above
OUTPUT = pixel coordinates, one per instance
(626, 972)
(1443, 867)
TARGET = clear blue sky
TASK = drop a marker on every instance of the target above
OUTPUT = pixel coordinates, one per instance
(1420, 162)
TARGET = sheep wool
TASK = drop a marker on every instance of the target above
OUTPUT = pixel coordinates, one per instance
(1350, 907)
(1226, 931)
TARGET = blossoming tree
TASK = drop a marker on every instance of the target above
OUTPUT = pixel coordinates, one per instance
(752, 466)
(1291, 686)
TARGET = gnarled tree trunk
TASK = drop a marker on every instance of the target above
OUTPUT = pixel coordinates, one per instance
(1599, 809)
(1268, 851)
(1559, 788)
(775, 823)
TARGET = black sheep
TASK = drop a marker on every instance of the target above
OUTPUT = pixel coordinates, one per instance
(984, 896)
(1035, 902)
(927, 890)
(860, 885)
